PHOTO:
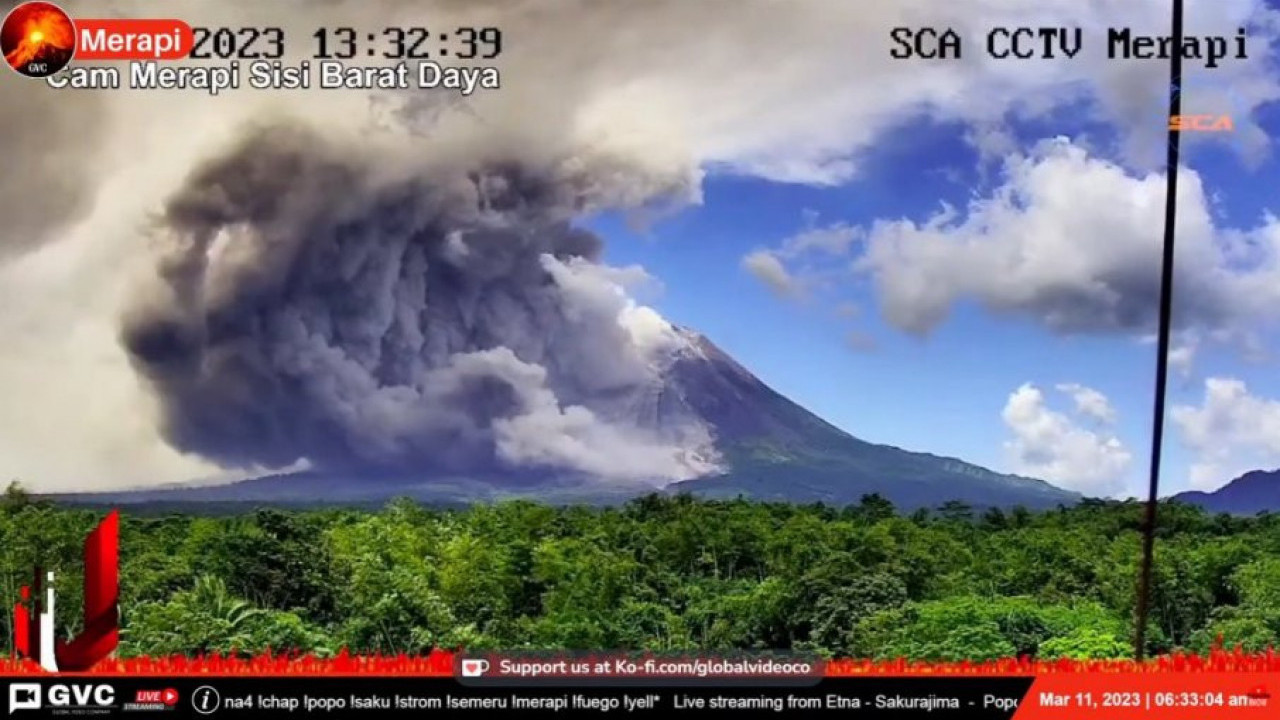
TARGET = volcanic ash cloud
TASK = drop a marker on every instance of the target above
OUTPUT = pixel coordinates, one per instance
(312, 306)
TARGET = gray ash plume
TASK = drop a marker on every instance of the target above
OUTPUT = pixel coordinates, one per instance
(313, 308)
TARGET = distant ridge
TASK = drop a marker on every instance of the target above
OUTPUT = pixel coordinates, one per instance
(1249, 494)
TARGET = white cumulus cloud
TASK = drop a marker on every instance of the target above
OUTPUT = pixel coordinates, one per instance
(1054, 446)
(1232, 431)
(1090, 402)
(1073, 241)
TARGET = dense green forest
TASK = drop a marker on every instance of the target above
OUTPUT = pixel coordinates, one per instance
(667, 573)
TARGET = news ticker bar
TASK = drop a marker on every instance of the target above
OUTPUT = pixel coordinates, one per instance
(1065, 696)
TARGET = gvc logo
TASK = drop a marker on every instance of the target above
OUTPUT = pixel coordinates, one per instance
(28, 696)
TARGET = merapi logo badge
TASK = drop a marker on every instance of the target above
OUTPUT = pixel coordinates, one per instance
(34, 630)
(38, 39)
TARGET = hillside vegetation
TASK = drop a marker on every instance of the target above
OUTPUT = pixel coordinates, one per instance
(666, 573)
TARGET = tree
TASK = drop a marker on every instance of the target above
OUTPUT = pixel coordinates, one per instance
(835, 613)
(15, 496)
(874, 508)
(956, 511)
(994, 519)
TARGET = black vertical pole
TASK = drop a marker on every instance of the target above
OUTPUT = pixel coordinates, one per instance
(1162, 344)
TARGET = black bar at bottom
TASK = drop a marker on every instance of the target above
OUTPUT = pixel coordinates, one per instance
(341, 697)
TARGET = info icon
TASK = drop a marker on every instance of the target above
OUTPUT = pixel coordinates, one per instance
(205, 700)
(38, 39)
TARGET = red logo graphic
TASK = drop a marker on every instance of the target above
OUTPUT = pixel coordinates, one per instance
(33, 616)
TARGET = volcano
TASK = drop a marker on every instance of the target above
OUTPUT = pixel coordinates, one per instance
(777, 450)
(768, 447)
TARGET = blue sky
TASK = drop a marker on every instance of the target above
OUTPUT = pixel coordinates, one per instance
(944, 391)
